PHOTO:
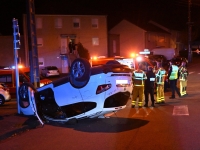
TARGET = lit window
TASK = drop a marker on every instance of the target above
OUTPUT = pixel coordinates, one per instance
(95, 41)
(39, 23)
(41, 61)
(39, 42)
(76, 23)
(95, 23)
(58, 23)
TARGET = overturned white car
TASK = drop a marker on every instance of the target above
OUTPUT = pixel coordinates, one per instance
(87, 92)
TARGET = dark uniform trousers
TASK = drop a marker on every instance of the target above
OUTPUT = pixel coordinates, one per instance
(148, 91)
(173, 85)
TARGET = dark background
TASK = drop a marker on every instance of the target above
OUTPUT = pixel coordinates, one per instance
(170, 13)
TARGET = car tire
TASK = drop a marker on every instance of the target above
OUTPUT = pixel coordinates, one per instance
(23, 91)
(80, 71)
(112, 62)
(2, 100)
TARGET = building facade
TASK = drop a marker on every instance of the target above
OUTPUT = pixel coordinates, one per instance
(133, 38)
(7, 51)
(57, 33)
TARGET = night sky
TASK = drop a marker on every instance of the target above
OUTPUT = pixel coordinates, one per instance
(170, 13)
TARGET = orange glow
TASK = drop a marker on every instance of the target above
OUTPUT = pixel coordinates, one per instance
(20, 66)
(133, 55)
(94, 58)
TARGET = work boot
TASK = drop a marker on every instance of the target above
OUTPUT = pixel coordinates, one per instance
(172, 97)
(133, 106)
(145, 105)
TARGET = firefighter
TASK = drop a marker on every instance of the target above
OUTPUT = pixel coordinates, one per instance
(183, 78)
(173, 75)
(160, 80)
(149, 86)
(138, 86)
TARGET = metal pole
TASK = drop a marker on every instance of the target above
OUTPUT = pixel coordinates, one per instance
(15, 47)
(189, 32)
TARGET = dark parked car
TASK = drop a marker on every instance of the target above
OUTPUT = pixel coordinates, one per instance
(179, 59)
(159, 58)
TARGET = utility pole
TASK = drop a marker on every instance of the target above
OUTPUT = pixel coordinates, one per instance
(189, 31)
(32, 44)
(16, 46)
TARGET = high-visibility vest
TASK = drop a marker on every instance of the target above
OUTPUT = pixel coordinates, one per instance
(160, 76)
(138, 77)
(183, 73)
(174, 73)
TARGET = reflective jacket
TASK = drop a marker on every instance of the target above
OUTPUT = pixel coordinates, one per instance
(160, 76)
(183, 73)
(138, 77)
(173, 73)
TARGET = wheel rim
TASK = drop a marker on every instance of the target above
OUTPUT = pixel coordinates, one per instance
(24, 92)
(78, 70)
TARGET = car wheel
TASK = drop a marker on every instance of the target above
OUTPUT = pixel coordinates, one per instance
(80, 72)
(112, 62)
(2, 100)
(23, 91)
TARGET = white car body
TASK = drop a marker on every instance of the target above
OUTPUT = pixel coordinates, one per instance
(4, 95)
(106, 91)
(50, 71)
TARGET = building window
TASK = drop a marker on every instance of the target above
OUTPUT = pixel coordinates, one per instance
(95, 23)
(95, 41)
(39, 42)
(41, 61)
(39, 23)
(76, 23)
(58, 23)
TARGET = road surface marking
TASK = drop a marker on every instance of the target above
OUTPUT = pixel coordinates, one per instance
(191, 72)
(180, 110)
(142, 112)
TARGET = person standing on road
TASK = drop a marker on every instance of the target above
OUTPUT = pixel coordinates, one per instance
(183, 78)
(173, 75)
(149, 86)
(160, 80)
(138, 86)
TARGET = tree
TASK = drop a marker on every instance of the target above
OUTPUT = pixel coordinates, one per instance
(83, 52)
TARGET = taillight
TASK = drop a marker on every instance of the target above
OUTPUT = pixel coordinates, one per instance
(103, 88)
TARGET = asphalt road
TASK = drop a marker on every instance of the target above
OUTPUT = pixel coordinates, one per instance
(170, 126)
